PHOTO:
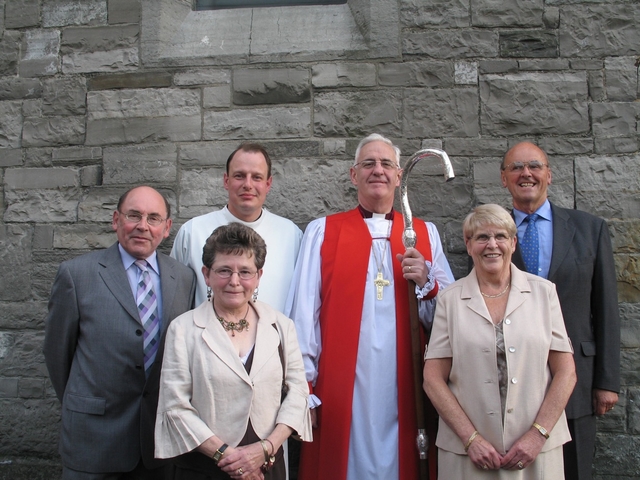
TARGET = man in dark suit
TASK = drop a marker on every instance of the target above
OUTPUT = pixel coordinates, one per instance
(573, 250)
(104, 338)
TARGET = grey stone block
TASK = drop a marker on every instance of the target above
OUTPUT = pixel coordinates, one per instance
(628, 270)
(608, 29)
(19, 88)
(586, 63)
(41, 206)
(459, 43)
(630, 327)
(8, 386)
(259, 86)
(357, 113)
(498, 66)
(544, 64)
(202, 77)
(625, 235)
(507, 13)
(608, 186)
(81, 237)
(613, 119)
(206, 153)
(22, 13)
(40, 53)
(10, 157)
(534, 103)
(64, 96)
(31, 388)
(140, 164)
(39, 439)
(476, 146)
(75, 155)
(616, 145)
(528, 43)
(43, 237)
(216, 97)
(39, 132)
(566, 145)
(23, 315)
(201, 190)
(60, 13)
(37, 157)
(621, 79)
(9, 50)
(334, 147)
(416, 74)
(466, 73)
(595, 79)
(439, 112)
(292, 149)
(35, 178)
(15, 258)
(435, 13)
(343, 75)
(32, 107)
(551, 17)
(112, 61)
(91, 175)
(145, 129)
(98, 204)
(10, 124)
(258, 123)
(130, 80)
(123, 11)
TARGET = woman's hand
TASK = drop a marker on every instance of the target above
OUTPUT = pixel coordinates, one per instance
(524, 451)
(243, 462)
(483, 455)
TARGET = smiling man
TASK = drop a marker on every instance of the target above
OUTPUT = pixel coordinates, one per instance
(573, 250)
(104, 338)
(349, 302)
(247, 181)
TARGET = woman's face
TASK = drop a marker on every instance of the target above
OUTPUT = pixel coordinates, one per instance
(491, 248)
(242, 278)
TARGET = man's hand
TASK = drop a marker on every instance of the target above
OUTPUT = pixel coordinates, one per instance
(603, 401)
(413, 266)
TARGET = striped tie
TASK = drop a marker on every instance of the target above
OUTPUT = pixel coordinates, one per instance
(530, 245)
(148, 308)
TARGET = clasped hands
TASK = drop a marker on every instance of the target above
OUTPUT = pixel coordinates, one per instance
(485, 457)
(243, 462)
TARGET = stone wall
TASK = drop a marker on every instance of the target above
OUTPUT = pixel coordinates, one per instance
(99, 95)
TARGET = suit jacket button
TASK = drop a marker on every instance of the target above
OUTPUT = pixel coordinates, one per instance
(138, 367)
(138, 332)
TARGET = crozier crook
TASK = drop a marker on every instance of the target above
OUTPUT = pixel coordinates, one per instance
(409, 241)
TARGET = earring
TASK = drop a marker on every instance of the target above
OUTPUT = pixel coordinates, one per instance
(208, 294)
(255, 295)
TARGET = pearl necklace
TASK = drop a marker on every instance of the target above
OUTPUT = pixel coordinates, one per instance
(486, 295)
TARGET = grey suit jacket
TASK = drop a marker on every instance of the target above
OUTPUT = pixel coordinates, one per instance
(583, 270)
(93, 351)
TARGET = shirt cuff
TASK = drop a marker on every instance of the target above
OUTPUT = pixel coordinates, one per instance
(430, 289)
(314, 401)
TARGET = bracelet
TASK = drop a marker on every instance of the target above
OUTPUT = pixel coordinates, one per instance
(269, 460)
(266, 452)
(217, 455)
(273, 449)
(471, 439)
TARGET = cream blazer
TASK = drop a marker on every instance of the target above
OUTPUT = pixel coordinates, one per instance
(463, 330)
(205, 389)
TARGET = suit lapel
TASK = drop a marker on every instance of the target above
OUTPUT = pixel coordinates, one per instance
(269, 337)
(116, 280)
(563, 233)
(471, 292)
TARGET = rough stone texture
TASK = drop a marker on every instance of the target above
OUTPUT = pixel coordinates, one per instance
(437, 13)
(75, 155)
(81, 237)
(269, 122)
(436, 113)
(509, 13)
(10, 157)
(354, 113)
(123, 11)
(66, 96)
(466, 73)
(18, 88)
(416, 74)
(253, 86)
(14, 261)
(10, 124)
(528, 43)
(40, 49)
(39, 132)
(9, 49)
(140, 164)
(130, 80)
(463, 43)
(202, 77)
(21, 13)
(621, 76)
(216, 97)
(344, 75)
(60, 13)
(534, 103)
(600, 30)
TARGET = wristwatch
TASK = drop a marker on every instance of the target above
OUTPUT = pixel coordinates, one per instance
(541, 429)
(219, 452)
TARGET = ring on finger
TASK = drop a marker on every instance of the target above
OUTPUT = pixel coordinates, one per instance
(520, 465)
(240, 471)
(484, 467)
(409, 268)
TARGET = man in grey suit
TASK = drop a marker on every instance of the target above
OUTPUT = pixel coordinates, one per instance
(573, 250)
(104, 338)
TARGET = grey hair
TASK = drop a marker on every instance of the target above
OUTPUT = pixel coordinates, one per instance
(488, 215)
(376, 137)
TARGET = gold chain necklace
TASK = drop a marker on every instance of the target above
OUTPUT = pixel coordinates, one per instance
(380, 282)
(233, 327)
(486, 295)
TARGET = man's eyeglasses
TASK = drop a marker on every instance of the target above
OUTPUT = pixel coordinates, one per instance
(533, 166)
(371, 164)
(227, 273)
(485, 238)
(153, 219)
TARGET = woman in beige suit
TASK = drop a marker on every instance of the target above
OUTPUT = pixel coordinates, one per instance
(220, 412)
(499, 366)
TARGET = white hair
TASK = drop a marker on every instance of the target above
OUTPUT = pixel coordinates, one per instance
(376, 137)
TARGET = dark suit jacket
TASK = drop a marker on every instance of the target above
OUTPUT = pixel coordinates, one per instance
(93, 350)
(583, 270)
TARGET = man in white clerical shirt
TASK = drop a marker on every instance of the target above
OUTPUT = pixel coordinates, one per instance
(248, 180)
(349, 301)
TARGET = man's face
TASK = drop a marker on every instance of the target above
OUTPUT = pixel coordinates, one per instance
(140, 239)
(247, 184)
(528, 188)
(376, 186)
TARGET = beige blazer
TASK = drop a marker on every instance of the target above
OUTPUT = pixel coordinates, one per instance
(205, 389)
(463, 330)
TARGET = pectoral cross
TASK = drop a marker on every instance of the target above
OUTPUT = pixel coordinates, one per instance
(380, 282)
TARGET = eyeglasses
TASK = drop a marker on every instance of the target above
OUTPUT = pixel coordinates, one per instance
(227, 273)
(533, 166)
(483, 238)
(371, 164)
(153, 219)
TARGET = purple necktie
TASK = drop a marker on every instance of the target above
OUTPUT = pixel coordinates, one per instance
(530, 247)
(148, 308)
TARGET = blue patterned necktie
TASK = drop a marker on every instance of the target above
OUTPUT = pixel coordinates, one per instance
(530, 245)
(148, 307)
